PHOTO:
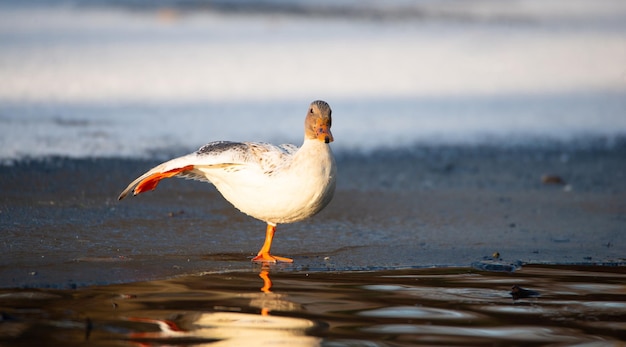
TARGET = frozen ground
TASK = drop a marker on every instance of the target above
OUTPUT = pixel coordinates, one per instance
(117, 78)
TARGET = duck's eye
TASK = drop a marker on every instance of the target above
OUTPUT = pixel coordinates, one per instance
(311, 110)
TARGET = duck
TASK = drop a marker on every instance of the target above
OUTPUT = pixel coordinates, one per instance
(275, 184)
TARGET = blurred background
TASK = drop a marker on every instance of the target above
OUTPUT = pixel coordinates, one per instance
(151, 79)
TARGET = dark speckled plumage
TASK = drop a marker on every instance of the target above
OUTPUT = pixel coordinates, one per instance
(218, 147)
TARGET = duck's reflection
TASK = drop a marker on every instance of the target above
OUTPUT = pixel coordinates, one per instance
(235, 328)
(267, 285)
(267, 282)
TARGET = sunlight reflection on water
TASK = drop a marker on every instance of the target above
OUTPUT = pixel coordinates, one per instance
(233, 329)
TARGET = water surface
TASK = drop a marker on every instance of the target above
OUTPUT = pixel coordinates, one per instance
(563, 305)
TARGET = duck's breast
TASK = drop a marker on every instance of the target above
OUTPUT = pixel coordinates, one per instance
(290, 190)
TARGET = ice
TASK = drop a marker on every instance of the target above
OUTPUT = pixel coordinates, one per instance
(105, 80)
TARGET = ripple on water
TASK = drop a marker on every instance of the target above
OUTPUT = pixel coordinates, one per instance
(292, 308)
(415, 312)
(467, 295)
(516, 333)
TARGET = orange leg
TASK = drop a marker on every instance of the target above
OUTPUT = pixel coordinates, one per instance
(264, 255)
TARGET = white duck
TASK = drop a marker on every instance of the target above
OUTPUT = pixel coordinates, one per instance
(275, 184)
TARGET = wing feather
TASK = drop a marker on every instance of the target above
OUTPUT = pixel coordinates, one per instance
(219, 155)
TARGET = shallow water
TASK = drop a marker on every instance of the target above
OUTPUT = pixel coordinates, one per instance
(270, 306)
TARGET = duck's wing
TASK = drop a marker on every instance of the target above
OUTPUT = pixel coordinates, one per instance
(219, 155)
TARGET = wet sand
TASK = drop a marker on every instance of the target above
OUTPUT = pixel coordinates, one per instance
(62, 226)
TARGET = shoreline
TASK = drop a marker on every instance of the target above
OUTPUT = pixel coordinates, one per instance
(428, 206)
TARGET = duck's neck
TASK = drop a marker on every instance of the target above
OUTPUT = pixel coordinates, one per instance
(314, 145)
(314, 153)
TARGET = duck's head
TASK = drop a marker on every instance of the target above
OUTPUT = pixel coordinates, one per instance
(318, 121)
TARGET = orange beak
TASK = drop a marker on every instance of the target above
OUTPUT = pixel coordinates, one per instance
(322, 131)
